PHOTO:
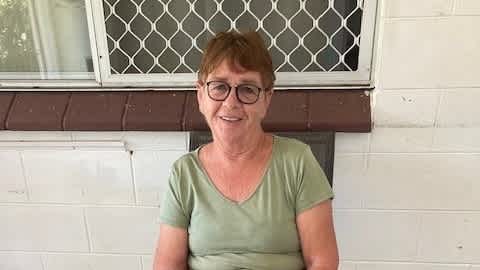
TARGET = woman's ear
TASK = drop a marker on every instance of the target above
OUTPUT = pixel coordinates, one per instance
(199, 86)
(269, 91)
(268, 95)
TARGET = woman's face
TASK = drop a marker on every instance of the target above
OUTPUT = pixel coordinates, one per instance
(230, 119)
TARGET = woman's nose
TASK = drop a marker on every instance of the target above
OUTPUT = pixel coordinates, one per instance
(232, 99)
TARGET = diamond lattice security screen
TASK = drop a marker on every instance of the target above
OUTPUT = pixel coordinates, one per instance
(167, 36)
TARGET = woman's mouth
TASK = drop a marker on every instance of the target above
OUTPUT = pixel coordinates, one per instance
(230, 119)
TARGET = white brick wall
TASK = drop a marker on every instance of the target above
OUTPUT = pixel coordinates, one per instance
(414, 8)
(20, 261)
(123, 230)
(459, 108)
(467, 7)
(449, 237)
(406, 108)
(407, 194)
(102, 177)
(94, 262)
(74, 200)
(411, 266)
(147, 262)
(376, 235)
(416, 205)
(42, 228)
(430, 52)
(12, 186)
(149, 168)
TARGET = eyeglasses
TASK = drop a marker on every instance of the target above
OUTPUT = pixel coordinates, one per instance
(246, 93)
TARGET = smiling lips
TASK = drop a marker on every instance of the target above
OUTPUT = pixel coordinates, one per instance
(230, 118)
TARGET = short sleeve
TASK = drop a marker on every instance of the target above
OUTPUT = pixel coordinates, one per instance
(312, 186)
(172, 210)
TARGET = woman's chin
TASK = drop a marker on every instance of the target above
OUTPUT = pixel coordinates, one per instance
(230, 132)
(233, 130)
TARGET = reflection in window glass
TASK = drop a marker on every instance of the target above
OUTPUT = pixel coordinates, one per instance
(44, 39)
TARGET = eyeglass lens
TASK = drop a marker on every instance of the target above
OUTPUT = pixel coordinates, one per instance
(246, 93)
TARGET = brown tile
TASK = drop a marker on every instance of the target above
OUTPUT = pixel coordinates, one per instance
(339, 110)
(37, 111)
(336, 110)
(193, 120)
(100, 111)
(154, 110)
(5, 102)
(288, 111)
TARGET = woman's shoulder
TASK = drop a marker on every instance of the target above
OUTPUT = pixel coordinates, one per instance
(186, 163)
(186, 160)
(287, 145)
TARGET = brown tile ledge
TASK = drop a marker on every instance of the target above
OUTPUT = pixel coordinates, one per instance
(292, 110)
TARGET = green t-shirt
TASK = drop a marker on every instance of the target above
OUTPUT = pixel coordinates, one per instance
(258, 233)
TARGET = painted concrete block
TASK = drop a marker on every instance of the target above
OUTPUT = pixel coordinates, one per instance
(9, 135)
(413, 8)
(91, 262)
(39, 228)
(79, 176)
(12, 184)
(151, 171)
(459, 108)
(405, 108)
(123, 229)
(346, 265)
(156, 141)
(20, 261)
(467, 7)
(139, 140)
(456, 140)
(97, 136)
(351, 142)
(147, 262)
(423, 181)
(409, 266)
(401, 140)
(449, 237)
(348, 180)
(430, 53)
(376, 235)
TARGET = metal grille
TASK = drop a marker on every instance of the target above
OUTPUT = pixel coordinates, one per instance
(167, 36)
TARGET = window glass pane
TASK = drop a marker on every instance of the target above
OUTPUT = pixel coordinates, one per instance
(159, 36)
(44, 39)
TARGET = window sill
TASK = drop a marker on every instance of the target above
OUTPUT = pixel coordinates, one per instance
(293, 110)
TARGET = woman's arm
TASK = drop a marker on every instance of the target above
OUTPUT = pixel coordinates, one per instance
(317, 236)
(172, 249)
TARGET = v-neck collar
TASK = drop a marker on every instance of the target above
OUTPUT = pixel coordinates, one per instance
(266, 171)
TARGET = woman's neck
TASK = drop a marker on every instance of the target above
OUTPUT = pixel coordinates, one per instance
(240, 149)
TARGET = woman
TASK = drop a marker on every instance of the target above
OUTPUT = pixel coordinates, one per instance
(249, 199)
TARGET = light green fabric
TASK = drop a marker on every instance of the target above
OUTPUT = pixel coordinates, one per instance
(259, 233)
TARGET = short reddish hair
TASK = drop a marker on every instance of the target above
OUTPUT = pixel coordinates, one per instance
(246, 50)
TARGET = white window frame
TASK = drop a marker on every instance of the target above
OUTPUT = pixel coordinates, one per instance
(105, 80)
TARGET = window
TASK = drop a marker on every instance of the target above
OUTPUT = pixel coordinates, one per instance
(44, 40)
(158, 43)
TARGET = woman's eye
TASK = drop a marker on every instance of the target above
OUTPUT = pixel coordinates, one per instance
(220, 87)
(248, 89)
